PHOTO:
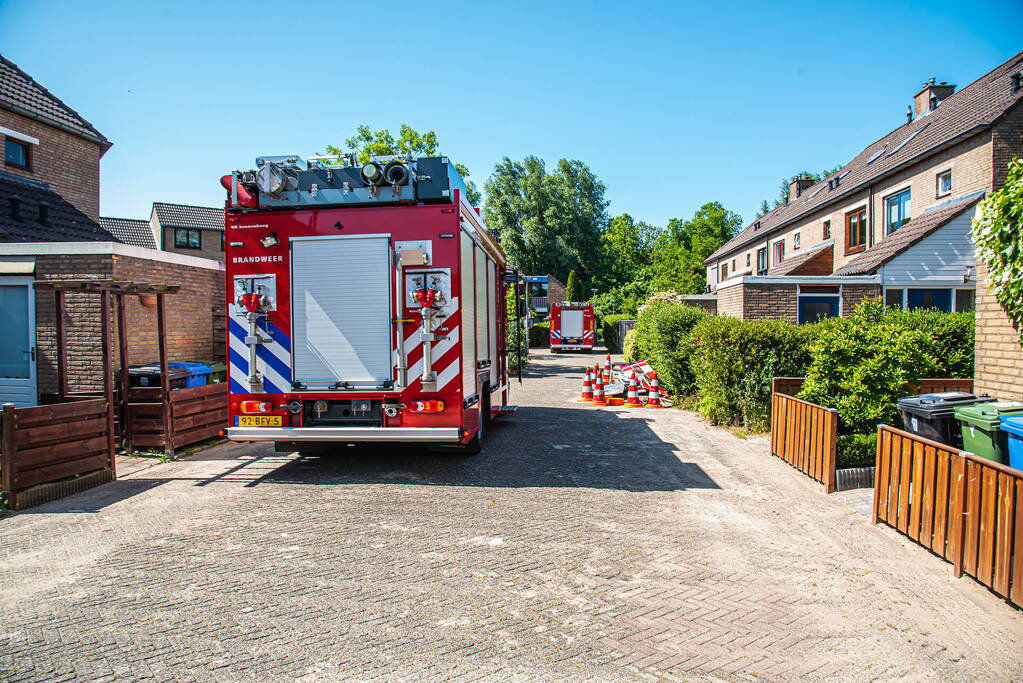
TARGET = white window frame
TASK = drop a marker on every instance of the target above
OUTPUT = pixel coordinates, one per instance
(937, 183)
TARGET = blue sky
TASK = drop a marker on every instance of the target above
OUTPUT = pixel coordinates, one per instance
(672, 104)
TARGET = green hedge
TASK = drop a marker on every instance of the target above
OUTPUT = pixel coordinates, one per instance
(863, 364)
(609, 332)
(662, 339)
(629, 347)
(540, 334)
(856, 450)
(734, 360)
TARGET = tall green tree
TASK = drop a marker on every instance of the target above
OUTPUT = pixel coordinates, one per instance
(366, 143)
(574, 288)
(627, 247)
(686, 243)
(785, 187)
(547, 221)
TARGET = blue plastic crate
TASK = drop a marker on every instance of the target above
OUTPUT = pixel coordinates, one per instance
(199, 372)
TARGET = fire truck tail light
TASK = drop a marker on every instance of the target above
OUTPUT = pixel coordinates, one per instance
(256, 406)
(432, 406)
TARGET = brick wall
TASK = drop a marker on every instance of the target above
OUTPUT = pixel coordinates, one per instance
(769, 302)
(999, 356)
(195, 316)
(853, 295)
(210, 240)
(69, 164)
(730, 301)
(1006, 143)
(555, 290)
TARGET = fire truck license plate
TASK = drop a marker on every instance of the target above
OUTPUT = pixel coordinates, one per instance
(258, 421)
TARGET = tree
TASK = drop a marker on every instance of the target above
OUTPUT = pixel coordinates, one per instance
(785, 188)
(367, 143)
(574, 288)
(683, 247)
(626, 248)
(547, 222)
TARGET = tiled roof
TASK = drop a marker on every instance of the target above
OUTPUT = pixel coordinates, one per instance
(63, 222)
(185, 216)
(796, 261)
(961, 114)
(908, 235)
(130, 231)
(20, 93)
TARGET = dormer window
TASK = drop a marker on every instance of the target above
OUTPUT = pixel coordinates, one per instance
(16, 154)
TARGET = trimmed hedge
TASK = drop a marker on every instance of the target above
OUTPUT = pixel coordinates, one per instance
(663, 340)
(609, 332)
(856, 450)
(629, 347)
(864, 363)
(734, 360)
(540, 334)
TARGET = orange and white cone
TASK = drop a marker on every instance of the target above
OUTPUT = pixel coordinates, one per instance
(632, 399)
(598, 393)
(587, 394)
(607, 369)
(654, 396)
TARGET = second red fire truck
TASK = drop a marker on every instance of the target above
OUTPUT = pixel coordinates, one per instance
(366, 303)
(572, 326)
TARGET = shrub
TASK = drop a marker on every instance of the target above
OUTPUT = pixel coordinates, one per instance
(734, 360)
(540, 334)
(857, 450)
(574, 288)
(514, 331)
(862, 364)
(629, 346)
(662, 339)
(609, 332)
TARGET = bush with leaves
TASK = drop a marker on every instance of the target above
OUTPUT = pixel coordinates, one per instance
(609, 332)
(540, 334)
(574, 290)
(999, 238)
(734, 360)
(629, 346)
(516, 335)
(662, 339)
(864, 363)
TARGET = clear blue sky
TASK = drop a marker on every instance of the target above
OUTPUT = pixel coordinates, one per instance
(672, 104)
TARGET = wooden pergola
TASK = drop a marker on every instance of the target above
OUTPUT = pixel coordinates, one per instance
(107, 289)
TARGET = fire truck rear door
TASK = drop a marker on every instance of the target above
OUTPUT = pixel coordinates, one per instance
(572, 324)
(341, 310)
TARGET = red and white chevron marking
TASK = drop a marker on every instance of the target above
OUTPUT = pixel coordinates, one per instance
(446, 352)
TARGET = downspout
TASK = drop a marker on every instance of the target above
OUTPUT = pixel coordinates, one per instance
(870, 215)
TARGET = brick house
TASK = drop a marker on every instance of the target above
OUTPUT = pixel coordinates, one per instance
(893, 222)
(191, 230)
(50, 229)
(541, 290)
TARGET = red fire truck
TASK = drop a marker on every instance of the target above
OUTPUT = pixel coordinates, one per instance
(572, 326)
(366, 303)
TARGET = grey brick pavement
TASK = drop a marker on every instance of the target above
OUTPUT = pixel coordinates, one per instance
(583, 544)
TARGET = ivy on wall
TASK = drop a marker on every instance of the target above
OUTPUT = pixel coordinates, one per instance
(998, 234)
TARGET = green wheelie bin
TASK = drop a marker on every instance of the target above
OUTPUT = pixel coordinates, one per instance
(981, 426)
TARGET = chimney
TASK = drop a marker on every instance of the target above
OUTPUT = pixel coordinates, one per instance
(930, 96)
(798, 184)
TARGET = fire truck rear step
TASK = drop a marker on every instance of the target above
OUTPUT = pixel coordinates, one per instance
(345, 434)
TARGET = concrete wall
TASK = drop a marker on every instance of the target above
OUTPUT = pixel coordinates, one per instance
(68, 163)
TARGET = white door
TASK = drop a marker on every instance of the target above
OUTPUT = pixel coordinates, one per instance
(17, 353)
(341, 310)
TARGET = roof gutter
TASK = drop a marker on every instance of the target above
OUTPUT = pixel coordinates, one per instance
(930, 151)
(103, 143)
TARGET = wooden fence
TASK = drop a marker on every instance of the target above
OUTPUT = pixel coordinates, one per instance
(187, 416)
(804, 435)
(46, 444)
(963, 508)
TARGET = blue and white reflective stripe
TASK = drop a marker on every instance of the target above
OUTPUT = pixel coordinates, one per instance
(556, 334)
(274, 358)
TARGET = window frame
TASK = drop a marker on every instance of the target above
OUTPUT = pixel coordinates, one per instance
(779, 254)
(186, 242)
(886, 201)
(797, 240)
(28, 154)
(827, 229)
(748, 259)
(938, 194)
(767, 261)
(861, 215)
(723, 271)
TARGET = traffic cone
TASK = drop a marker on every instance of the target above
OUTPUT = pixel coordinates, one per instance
(598, 393)
(587, 394)
(607, 369)
(632, 399)
(654, 395)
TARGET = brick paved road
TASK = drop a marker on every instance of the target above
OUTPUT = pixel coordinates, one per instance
(582, 544)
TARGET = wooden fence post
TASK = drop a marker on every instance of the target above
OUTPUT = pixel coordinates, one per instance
(958, 513)
(108, 379)
(830, 477)
(161, 331)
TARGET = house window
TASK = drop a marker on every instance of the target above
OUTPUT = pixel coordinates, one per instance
(795, 241)
(964, 300)
(818, 301)
(779, 251)
(16, 154)
(724, 272)
(186, 238)
(896, 210)
(733, 265)
(940, 299)
(827, 230)
(747, 259)
(221, 241)
(762, 261)
(893, 297)
(856, 231)
(944, 183)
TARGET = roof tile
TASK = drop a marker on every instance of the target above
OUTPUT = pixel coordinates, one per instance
(130, 231)
(187, 216)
